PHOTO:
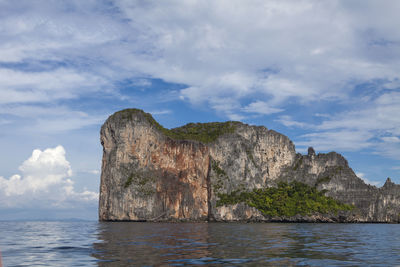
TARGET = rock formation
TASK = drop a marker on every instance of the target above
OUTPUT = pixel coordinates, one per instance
(150, 173)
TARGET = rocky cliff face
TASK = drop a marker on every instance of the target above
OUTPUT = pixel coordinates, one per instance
(151, 173)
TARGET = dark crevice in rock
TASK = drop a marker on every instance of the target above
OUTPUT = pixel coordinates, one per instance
(210, 216)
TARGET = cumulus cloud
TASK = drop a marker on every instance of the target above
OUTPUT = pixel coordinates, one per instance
(45, 181)
(41, 171)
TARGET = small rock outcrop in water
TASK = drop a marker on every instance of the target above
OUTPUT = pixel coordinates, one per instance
(228, 172)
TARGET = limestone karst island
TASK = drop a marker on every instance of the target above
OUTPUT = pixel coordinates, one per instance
(228, 171)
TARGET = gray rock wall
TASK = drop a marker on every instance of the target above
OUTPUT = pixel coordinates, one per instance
(147, 175)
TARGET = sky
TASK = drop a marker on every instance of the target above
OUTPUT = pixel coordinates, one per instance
(324, 73)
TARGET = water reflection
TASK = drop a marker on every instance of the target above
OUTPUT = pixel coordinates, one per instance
(229, 244)
(151, 243)
(243, 244)
(47, 243)
(197, 243)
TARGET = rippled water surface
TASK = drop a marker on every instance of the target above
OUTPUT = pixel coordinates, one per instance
(230, 244)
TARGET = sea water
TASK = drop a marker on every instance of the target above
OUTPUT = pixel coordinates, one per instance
(188, 244)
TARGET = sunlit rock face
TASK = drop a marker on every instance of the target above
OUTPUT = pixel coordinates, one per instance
(150, 173)
(146, 176)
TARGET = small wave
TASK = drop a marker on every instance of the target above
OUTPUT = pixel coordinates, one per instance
(72, 249)
(208, 260)
(66, 247)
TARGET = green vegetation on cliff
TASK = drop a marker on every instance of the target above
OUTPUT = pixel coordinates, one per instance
(202, 132)
(288, 199)
(322, 180)
(220, 175)
(143, 183)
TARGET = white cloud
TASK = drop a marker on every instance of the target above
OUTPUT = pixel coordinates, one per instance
(94, 172)
(307, 50)
(66, 123)
(3, 121)
(142, 83)
(44, 181)
(289, 122)
(376, 114)
(362, 176)
(227, 107)
(391, 139)
(340, 140)
(373, 125)
(388, 149)
(261, 107)
(48, 119)
(267, 54)
(161, 112)
(25, 87)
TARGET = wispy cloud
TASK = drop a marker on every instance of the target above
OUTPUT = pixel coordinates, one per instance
(289, 122)
(25, 87)
(367, 181)
(329, 68)
(161, 112)
(261, 107)
(209, 55)
(206, 46)
(338, 140)
(47, 119)
(94, 172)
(373, 125)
